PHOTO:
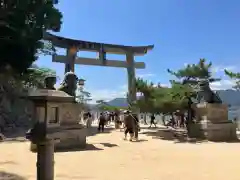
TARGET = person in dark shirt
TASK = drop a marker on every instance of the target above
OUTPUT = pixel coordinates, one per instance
(129, 125)
(137, 127)
(102, 122)
(152, 117)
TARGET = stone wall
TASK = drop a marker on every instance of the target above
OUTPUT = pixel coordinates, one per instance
(15, 112)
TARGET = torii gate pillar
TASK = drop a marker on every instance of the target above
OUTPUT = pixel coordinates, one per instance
(70, 62)
(131, 77)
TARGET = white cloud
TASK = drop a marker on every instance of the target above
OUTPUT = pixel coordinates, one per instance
(223, 84)
(218, 68)
(147, 75)
(107, 94)
(221, 68)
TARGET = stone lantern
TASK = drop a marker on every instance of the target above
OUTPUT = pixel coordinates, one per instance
(56, 126)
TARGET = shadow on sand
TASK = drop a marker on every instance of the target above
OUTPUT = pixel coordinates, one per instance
(20, 137)
(10, 176)
(89, 147)
(176, 135)
(109, 145)
(140, 140)
(94, 131)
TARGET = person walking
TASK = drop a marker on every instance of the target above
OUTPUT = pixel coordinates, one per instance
(152, 121)
(102, 122)
(89, 120)
(136, 126)
(129, 125)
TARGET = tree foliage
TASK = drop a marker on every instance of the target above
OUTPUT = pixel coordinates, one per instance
(34, 77)
(235, 76)
(158, 99)
(15, 85)
(24, 23)
(192, 73)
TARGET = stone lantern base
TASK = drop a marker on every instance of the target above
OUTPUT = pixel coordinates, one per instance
(213, 132)
(212, 123)
(70, 137)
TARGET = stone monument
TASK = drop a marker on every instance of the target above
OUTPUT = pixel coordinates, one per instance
(63, 113)
(69, 84)
(211, 117)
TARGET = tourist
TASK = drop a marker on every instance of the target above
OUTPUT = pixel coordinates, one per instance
(89, 120)
(136, 126)
(129, 125)
(182, 120)
(102, 121)
(152, 121)
(172, 122)
(117, 121)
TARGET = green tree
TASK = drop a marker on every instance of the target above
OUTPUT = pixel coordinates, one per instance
(157, 99)
(188, 77)
(34, 77)
(234, 76)
(192, 73)
(24, 23)
(144, 87)
(146, 101)
(14, 85)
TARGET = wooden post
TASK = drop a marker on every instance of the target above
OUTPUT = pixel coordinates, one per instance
(71, 55)
(131, 77)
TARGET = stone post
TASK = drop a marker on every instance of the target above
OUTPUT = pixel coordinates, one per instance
(71, 55)
(45, 160)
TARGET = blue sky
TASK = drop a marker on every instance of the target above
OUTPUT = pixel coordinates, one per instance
(183, 31)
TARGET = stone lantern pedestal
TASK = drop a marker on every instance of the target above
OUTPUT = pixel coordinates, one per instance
(212, 123)
(62, 119)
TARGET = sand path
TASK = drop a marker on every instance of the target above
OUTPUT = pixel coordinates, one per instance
(109, 157)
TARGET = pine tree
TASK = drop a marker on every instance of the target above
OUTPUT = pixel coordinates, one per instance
(234, 76)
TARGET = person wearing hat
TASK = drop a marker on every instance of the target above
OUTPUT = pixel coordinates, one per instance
(129, 125)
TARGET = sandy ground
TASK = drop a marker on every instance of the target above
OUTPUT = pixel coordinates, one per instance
(109, 157)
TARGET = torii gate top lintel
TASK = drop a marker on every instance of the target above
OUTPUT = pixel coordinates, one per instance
(63, 42)
(73, 46)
